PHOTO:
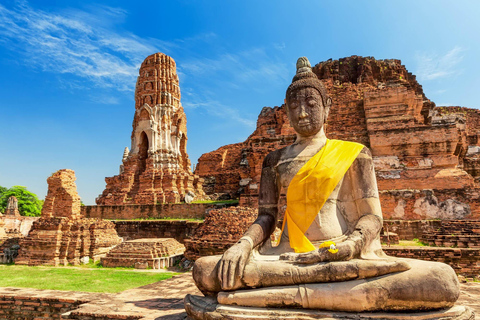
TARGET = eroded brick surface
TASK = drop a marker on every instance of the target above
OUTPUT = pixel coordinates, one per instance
(426, 158)
(145, 253)
(221, 229)
(157, 168)
(62, 235)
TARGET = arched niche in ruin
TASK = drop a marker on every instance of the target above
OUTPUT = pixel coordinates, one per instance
(143, 146)
(142, 152)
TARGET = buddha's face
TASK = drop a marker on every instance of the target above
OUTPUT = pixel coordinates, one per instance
(306, 111)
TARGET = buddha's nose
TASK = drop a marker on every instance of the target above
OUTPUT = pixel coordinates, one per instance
(303, 114)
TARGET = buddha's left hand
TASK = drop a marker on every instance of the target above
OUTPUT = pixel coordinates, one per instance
(345, 252)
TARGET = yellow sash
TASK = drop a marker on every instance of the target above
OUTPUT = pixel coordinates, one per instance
(312, 185)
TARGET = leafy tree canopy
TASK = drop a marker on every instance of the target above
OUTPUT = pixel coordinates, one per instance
(28, 203)
(2, 190)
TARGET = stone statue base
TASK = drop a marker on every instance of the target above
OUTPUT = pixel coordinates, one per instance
(207, 308)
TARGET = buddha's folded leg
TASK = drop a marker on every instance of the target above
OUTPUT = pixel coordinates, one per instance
(259, 273)
(427, 285)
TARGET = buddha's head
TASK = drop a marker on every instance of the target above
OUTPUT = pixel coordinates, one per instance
(307, 101)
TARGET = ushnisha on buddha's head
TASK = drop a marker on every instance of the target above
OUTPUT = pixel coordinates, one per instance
(307, 101)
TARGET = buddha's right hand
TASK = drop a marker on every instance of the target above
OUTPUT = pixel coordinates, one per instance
(232, 264)
(346, 251)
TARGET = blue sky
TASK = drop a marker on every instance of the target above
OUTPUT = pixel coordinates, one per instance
(68, 69)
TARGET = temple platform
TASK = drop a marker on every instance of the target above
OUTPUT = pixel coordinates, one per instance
(206, 308)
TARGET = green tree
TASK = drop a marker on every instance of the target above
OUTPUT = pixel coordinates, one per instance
(28, 203)
(2, 190)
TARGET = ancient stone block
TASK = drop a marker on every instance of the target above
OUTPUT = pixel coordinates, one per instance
(156, 169)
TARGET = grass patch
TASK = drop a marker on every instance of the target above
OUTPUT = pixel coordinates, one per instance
(77, 279)
(412, 243)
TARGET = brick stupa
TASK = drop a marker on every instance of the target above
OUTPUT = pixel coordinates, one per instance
(427, 158)
(62, 235)
(157, 168)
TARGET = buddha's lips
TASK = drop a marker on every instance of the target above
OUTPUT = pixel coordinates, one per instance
(303, 123)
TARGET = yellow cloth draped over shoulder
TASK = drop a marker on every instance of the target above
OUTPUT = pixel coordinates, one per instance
(312, 185)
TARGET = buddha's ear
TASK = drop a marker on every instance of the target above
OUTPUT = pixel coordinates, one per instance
(327, 107)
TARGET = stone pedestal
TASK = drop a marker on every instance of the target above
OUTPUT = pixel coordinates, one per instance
(207, 308)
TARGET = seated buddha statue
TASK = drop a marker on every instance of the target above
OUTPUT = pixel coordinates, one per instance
(329, 255)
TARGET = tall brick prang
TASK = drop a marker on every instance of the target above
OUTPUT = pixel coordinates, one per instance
(156, 169)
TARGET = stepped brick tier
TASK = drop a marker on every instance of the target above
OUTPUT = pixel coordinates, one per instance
(426, 158)
(221, 229)
(62, 235)
(460, 234)
(145, 253)
(157, 168)
(463, 260)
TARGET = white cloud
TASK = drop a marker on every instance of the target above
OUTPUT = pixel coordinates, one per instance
(434, 66)
(74, 43)
(83, 45)
(217, 109)
(251, 67)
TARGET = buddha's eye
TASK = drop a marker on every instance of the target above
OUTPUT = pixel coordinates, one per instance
(293, 105)
(311, 102)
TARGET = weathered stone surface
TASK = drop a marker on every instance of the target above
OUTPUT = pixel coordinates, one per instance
(206, 308)
(417, 148)
(157, 168)
(221, 229)
(62, 199)
(3, 234)
(67, 237)
(329, 257)
(12, 207)
(235, 169)
(153, 253)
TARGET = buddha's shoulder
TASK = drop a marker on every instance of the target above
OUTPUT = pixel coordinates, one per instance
(274, 157)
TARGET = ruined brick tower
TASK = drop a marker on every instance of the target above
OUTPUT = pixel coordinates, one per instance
(157, 168)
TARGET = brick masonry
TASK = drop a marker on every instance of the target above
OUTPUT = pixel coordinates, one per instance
(157, 168)
(138, 229)
(62, 235)
(464, 261)
(221, 229)
(168, 210)
(427, 159)
(19, 304)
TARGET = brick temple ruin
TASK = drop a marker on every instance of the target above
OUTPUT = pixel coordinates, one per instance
(157, 168)
(427, 158)
(62, 235)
